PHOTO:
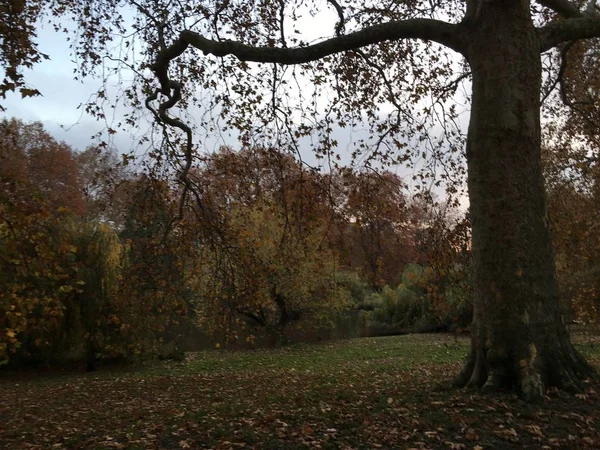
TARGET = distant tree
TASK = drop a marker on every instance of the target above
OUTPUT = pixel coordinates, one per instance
(573, 183)
(571, 155)
(46, 168)
(100, 258)
(376, 236)
(103, 177)
(268, 262)
(269, 275)
(444, 244)
(154, 295)
(40, 192)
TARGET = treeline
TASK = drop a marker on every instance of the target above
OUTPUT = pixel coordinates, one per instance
(84, 271)
(100, 262)
(295, 248)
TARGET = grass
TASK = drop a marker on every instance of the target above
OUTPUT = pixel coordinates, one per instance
(383, 353)
(355, 394)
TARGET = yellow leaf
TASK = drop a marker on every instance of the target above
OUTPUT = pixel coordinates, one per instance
(10, 333)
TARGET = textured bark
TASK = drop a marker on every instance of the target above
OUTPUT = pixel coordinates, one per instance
(518, 336)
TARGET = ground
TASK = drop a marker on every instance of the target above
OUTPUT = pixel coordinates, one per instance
(367, 393)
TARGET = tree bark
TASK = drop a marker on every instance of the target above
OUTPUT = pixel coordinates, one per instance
(518, 334)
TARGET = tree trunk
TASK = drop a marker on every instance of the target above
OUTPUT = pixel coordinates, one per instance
(518, 335)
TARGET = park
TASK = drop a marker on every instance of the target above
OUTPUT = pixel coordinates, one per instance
(303, 224)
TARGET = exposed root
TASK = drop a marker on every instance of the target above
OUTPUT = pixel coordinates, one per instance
(479, 374)
(496, 379)
(563, 368)
(464, 375)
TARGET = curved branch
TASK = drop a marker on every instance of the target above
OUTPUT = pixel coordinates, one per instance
(339, 27)
(565, 8)
(427, 29)
(568, 30)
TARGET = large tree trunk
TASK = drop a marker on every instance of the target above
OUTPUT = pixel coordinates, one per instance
(519, 337)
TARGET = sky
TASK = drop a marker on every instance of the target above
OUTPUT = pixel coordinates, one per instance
(57, 107)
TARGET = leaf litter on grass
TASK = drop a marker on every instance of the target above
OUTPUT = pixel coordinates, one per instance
(355, 394)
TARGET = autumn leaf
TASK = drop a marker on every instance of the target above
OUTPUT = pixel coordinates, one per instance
(27, 92)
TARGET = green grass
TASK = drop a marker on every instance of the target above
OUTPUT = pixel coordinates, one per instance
(382, 353)
(355, 394)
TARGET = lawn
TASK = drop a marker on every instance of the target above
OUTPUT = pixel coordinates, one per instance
(387, 392)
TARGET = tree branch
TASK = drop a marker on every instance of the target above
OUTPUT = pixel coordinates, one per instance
(592, 8)
(568, 30)
(339, 27)
(561, 70)
(565, 8)
(427, 29)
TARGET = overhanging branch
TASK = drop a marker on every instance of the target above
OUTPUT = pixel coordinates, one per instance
(565, 8)
(444, 33)
(568, 30)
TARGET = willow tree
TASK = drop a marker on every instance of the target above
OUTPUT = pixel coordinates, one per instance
(394, 66)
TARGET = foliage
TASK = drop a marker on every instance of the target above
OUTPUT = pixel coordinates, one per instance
(100, 257)
(38, 284)
(263, 256)
(422, 302)
(18, 49)
(404, 308)
(358, 289)
(574, 214)
(62, 291)
(269, 274)
(38, 259)
(445, 246)
(375, 235)
(571, 168)
(156, 297)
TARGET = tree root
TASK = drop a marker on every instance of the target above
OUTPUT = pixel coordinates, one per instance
(562, 367)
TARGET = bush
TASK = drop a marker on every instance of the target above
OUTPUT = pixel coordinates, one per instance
(425, 301)
(358, 289)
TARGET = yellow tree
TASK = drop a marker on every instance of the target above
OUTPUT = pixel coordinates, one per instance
(266, 261)
(268, 275)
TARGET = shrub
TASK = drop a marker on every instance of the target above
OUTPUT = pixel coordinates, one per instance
(358, 289)
(425, 301)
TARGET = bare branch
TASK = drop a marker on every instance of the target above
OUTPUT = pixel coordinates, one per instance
(561, 71)
(568, 30)
(565, 8)
(577, 106)
(281, 22)
(339, 27)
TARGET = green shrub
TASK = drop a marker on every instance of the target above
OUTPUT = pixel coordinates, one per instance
(425, 301)
(359, 290)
